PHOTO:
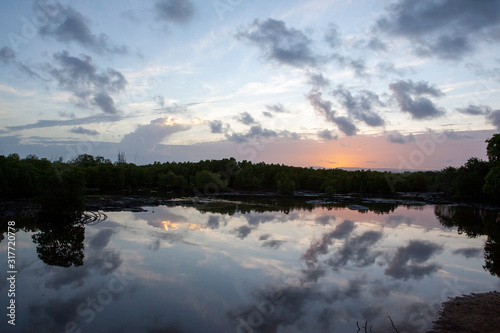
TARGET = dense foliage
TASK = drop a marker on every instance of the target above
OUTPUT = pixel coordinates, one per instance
(55, 181)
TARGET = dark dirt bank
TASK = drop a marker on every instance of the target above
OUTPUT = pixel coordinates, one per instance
(470, 314)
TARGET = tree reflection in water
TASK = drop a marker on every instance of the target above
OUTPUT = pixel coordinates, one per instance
(475, 222)
(59, 241)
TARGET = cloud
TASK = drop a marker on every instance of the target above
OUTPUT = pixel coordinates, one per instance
(320, 246)
(376, 44)
(173, 109)
(81, 130)
(327, 135)
(324, 220)
(213, 222)
(101, 239)
(395, 220)
(160, 100)
(175, 11)
(408, 96)
(105, 103)
(264, 237)
(396, 137)
(317, 80)
(325, 108)
(102, 118)
(8, 57)
(68, 25)
(408, 262)
(360, 106)
(146, 137)
(90, 87)
(246, 118)
(267, 114)
(215, 126)
(243, 231)
(357, 65)
(448, 29)
(273, 243)
(386, 67)
(255, 132)
(276, 108)
(475, 110)
(470, 252)
(332, 36)
(494, 117)
(356, 250)
(287, 46)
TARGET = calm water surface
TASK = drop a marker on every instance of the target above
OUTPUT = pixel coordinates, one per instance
(236, 267)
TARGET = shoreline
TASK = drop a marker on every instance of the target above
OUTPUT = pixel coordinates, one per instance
(472, 313)
(135, 202)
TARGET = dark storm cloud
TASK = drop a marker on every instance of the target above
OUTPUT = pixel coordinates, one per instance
(327, 135)
(360, 106)
(356, 250)
(175, 11)
(67, 25)
(470, 252)
(277, 108)
(475, 110)
(246, 118)
(409, 261)
(278, 43)
(255, 132)
(494, 118)
(317, 80)
(243, 231)
(320, 246)
(325, 108)
(447, 29)
(396, 137)
(90, 87)
(409, 98)
(69, 122)
(85, 131)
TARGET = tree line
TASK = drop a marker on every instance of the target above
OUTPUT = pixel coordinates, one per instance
(476, 180)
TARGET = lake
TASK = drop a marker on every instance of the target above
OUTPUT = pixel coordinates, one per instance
(261, 266)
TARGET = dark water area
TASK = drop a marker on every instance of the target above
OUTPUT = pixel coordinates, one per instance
(251, 266)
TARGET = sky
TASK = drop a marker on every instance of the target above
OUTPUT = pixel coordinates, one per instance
(368, 84)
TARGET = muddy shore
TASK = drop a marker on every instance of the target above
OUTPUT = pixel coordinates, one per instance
(474, 313)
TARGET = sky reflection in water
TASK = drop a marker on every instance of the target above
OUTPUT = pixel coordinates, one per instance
(192, 269)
